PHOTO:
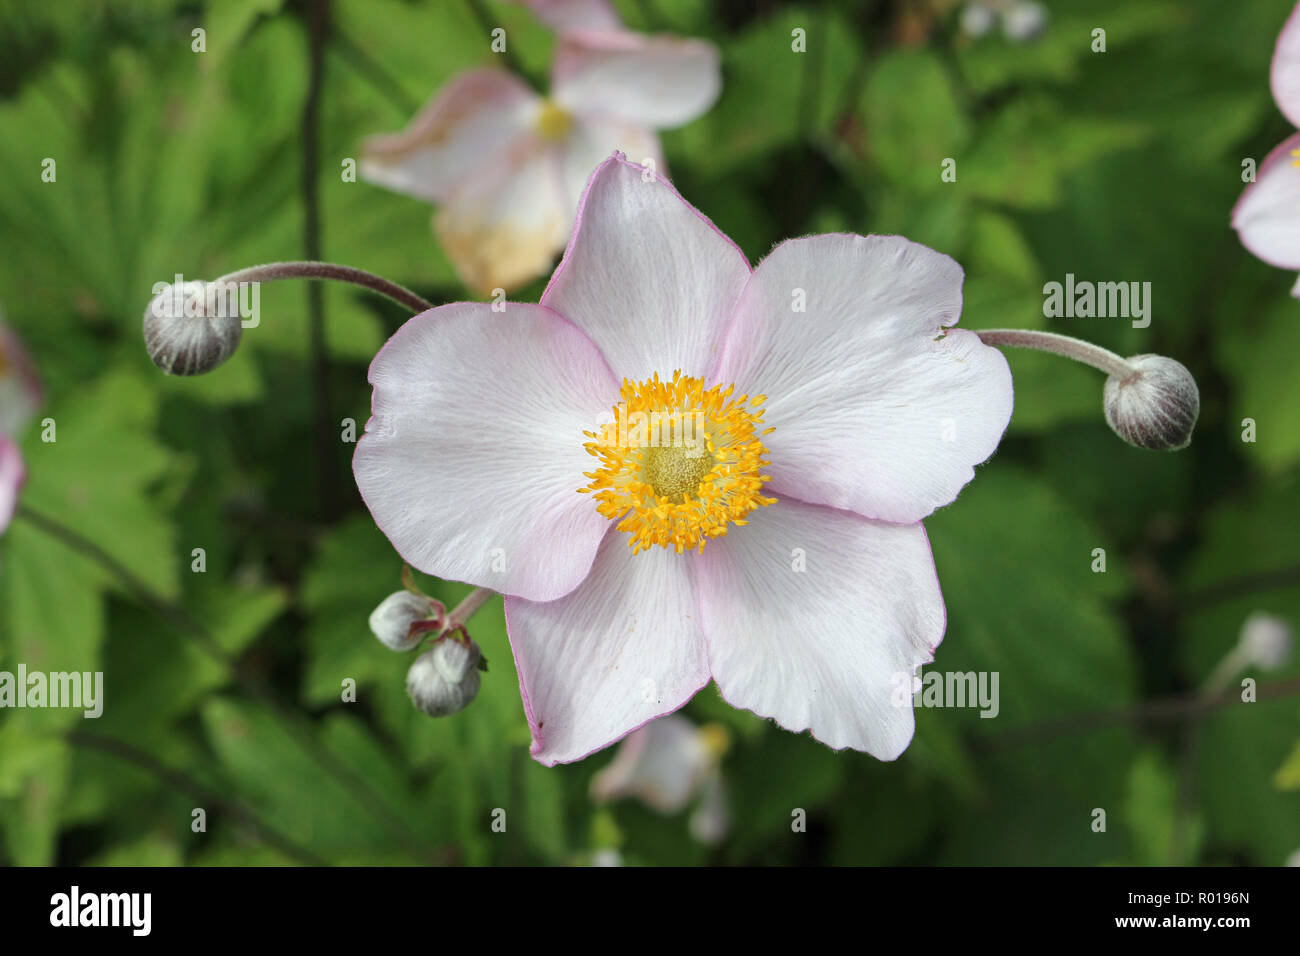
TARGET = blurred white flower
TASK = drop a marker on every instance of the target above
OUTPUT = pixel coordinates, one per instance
(575, 14)
(1265, 641)
(20, 396)
(508, 165)
(668, 764)
(1022, 20)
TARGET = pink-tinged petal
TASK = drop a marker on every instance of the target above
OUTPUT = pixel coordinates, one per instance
(504, 228)
(655, 81)
(477, 115)
(576, 14)
(12, 476)
(1267, 216)
(646, 275)
(662, 764)
(876, 408)
(593, 141)
(623, 648)
(1284, 73)
(474, 454)
(20, 389)
(819, 618)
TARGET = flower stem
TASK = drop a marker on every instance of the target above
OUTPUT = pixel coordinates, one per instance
(1099, 358)
(463, 611)
(273, 271)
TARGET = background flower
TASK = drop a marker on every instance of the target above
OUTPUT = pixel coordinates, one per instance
(20, 396)
(507, 165)
(1265, 216)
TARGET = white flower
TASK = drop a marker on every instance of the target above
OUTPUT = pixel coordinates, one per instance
(508, 166)
(831, 406)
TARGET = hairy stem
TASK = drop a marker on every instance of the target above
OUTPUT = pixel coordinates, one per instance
(274, 271)
(1099, 358)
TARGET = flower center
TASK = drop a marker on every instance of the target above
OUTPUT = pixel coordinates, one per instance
(679, 463)
(553, 122)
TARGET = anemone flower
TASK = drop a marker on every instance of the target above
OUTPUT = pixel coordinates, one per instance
(507, 165)
(563, 15)
(668, 764)
(1267, 216)
(680, 470)
(20, 396)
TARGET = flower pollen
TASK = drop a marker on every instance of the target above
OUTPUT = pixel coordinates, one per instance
(679, 463)
(553, 122)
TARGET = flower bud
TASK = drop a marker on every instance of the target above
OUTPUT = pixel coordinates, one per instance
(1265, 640)
(186, 330)
(445, 679)
(396, 621)
(1155, 406)
(1024, 21)
(976, 19)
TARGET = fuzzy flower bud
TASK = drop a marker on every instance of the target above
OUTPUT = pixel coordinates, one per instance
(398, 619)
(1024, 21)
(445, 679)
(977, 19)
(1265, 640)
(1155, 406)
(190, 330)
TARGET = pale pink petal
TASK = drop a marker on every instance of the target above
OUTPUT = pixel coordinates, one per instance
(474, 454)
(20, 389)
(662, 764)
(875, 407)
(593, 141)
(818, 619)
(1284, 74)
(12, 476)
(655, 81)
(1267, 216)
(623, 648)
(576, 14)
(474, 117)
(504, 227)
(646, 275)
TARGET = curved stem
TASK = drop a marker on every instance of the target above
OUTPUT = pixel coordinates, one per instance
(463, 611)
(273, 271)
(1099, 358)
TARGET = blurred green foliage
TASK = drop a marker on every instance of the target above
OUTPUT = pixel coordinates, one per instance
(1120, 165)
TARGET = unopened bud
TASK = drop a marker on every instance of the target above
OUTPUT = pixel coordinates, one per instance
(1266, 640)
(445, 679)
(399, 621)
(186, 330)
(1024, 21)
(1155, 406)
(976, 19)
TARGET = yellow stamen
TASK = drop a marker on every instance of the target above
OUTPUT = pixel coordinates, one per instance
(679, 463)
(1295, 162)
(554, 122)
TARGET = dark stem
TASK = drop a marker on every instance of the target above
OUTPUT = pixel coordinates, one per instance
(485, 21)
(1161, 709)
(374, 72)
(274, 271)
(317, 16)
(178, 780)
